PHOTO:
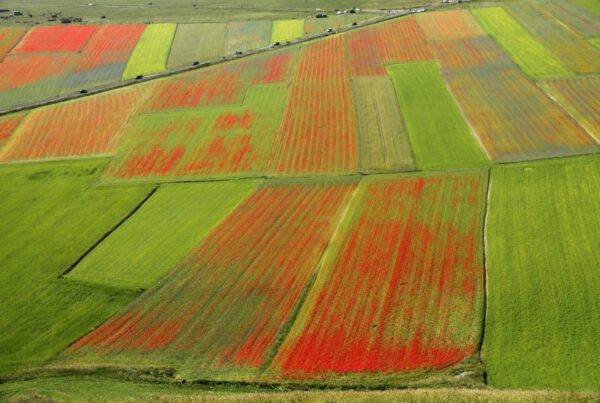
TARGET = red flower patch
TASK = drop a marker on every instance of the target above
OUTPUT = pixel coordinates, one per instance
(55, 39)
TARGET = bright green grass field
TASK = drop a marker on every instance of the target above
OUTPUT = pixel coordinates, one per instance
(168, 226)
(595, 41)
(531, 56)
(287, 30)
(439, 135)
(49, 217)
(197, 42)
(543, 257)
(151, 52)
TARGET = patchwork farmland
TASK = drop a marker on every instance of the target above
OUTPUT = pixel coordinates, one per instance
(409, 203)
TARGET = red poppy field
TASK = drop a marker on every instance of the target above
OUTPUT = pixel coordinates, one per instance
(406, 203)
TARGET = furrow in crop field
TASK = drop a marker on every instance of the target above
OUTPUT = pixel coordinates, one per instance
(50, 215)
(224, 304)
(8, 124)
(200, 41)
(439, 135)
(318, 133)
(445, 25)
(55, 39)
(160, 234)
(573, 51)
(533, 57)
(382, 139)
(246, 35)
(9, 37)
(542, 262)
(391, 42)
(82, 127)
(579, 95)
(284, 30)
(513, 118)
(222, 84)
(210, 142)
(151, 52)
(402, 288)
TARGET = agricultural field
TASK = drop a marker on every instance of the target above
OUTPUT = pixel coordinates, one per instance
(234, 293)
(245, 35)
(569, 46)
(439, 135)
(197, 42)
(542, 276)
(87, 127)
(382, 138)
(531, 56)
(408, 204)
(579, 96)
(151, 52)
(50, 216)
(285, 30)
(9, 37)
(172, 209)
(384, 300)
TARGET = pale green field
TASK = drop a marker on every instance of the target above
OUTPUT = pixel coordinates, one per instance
(167, 227)
(382, 140)
(151, 53)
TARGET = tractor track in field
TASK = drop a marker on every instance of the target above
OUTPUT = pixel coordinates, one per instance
(391, 14)
(108, 233)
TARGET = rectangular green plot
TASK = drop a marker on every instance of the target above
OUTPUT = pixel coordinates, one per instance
(542, 238)
(246, 35)
(160, 233)
(284, 30)
(151, 53)
(51, 215)
(200, 41)
(595, 42)
(439, 135)
(533, 57)
(382, 140)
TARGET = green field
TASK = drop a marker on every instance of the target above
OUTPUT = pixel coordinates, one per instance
(439, 135)
(151, 53)
(50, 216)
(383, 141)
(592, 5)
(89, 388)
(246, 35)
(284, 30)
(197, 42)
(161, 233)
(533, 57)
(542, 241)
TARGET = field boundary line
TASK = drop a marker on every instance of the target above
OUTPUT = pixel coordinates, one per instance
(108, 233)
(485, 274)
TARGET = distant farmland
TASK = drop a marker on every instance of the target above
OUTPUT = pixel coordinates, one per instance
(411, 203)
